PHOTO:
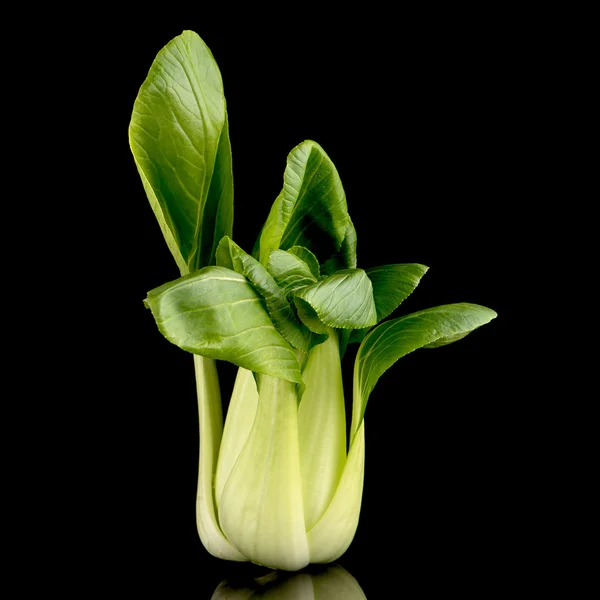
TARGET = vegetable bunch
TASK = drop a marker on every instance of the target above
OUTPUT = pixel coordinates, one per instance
(279, 484)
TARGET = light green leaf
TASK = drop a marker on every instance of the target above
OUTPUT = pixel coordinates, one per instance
(230, 255)
(216, 312)
(289, 271)
(309, 258)
(392, 284)
(179, 138)
(311, 210)
(393, 339)
(310, 318)
(445, 341)
(342, 300)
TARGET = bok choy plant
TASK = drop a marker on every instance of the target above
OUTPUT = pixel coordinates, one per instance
(278, 484)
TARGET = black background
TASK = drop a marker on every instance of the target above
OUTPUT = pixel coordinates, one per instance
(430, 121)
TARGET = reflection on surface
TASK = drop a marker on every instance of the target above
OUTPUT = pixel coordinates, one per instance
(314, 582)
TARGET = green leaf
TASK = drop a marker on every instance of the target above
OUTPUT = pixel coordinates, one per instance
(216, 312)
(311, 210)
(445, 341)
(290, 272)
(231, 256)
(308, 315)
(393, 339)
(392, 284)
(179, 138)
(309, 258)
(345, 257)
(342, 300)
(346, 336)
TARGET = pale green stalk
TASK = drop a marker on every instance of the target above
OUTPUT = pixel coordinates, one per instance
(261, 509)
(321, 428)
(211, 426)
(238, 423)
(357, 402)
(334, 532)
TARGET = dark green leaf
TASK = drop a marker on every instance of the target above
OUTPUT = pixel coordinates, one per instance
(180, 142)
(393, 339)
(311, 209)
(345, 257)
